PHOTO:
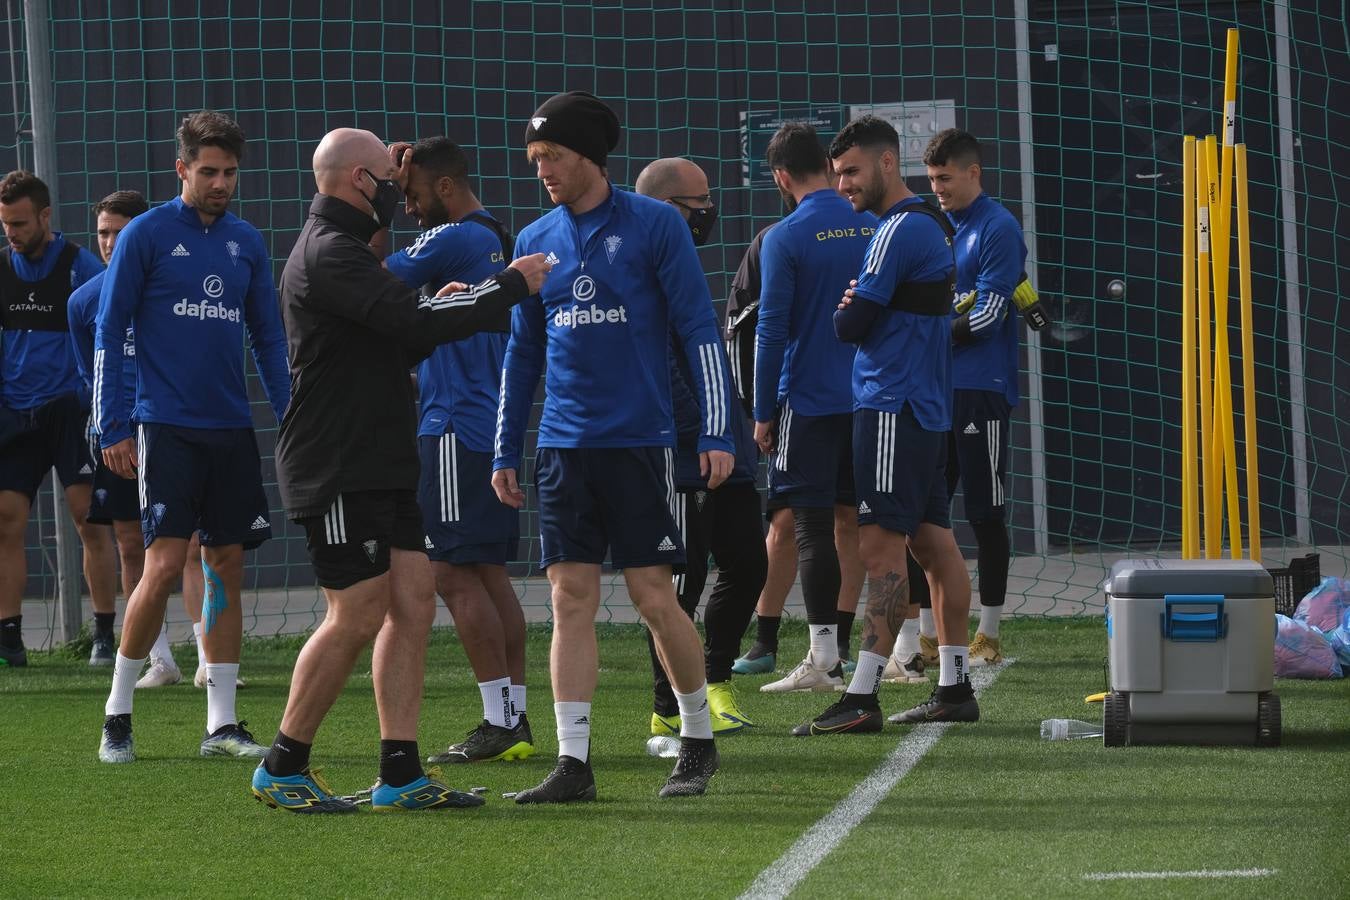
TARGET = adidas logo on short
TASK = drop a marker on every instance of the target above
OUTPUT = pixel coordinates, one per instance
(971, 429)
(180, 250)
(85, 470)
(430, 545)
(259, 524)
(666, 545)
(864, 508)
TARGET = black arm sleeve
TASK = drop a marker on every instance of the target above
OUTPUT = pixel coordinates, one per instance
(852, 323)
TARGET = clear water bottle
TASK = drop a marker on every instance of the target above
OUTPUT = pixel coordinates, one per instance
(1068, 730)
(664, 746)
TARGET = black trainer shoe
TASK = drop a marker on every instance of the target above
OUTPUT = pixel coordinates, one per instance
(571, 781)
(101, 653)
(953, 703)
(117, 745)
(486, 742)
(696, 766)
(850, 714)
(14, 657)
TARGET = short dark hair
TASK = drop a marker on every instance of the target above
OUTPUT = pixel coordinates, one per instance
(796, 148)
(19, 184)
(952, 146)
(441, 157)
(209, 128)
(128, 204)
(868, 132)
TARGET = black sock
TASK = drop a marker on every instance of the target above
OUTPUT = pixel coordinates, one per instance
(11, 632)
(843, 633)
(992, 538)
(766, 632)
(865, 701)
(399, 763)
(287, 756)
(103, 623)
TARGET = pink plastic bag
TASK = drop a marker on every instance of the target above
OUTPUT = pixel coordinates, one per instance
(1302, 651)
(1325, 606)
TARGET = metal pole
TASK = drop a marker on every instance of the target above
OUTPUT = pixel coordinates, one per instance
(69, 581)
(1298, 415)
(1035, 404)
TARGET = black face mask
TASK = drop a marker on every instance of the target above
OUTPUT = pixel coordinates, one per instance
(701, 220)
(386, 200)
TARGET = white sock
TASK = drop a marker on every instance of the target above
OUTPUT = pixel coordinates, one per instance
(220, 686)
(953, 661)
(125, 673)
(824, 648)
(989, 616)
(497, 702)
(574, 728)
(161, 649)
(867, 677)
(907, 642)
(518, 700)
(927, 627)
(201, 648)
(695, 717)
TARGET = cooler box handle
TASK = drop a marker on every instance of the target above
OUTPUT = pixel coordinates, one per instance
(1194, 626)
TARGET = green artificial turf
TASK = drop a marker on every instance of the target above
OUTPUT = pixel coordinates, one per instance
(990, 810)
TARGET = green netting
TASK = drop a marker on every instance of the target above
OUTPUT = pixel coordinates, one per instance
(1083, 136)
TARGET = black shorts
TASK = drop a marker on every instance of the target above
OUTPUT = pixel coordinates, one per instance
(115, 498)
(900, 469)
(465, 523)
(350, 543)
(53, 436)
(977, 451)
(812, 467)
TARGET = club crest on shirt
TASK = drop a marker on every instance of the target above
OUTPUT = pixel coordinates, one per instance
(232, 248)
(612, 244)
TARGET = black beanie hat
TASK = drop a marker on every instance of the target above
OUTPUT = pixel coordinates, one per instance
(578, 121)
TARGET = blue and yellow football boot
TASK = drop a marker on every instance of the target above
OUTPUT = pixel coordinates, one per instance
(427, 792)
(302, 793)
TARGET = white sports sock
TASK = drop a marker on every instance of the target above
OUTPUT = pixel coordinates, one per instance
(824, 648)
(220, 686)
(927, 626)
(695, 717)
(518, 700)
(907, 642)
(867, 677)
(125, 673)
(161, 649)
(953, 662)
(201, 648)
(497, 702)
(574, 728)
(989, 616)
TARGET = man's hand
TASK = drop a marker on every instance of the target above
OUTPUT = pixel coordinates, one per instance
(535, 268)
(453, 287)
(508, 490)
(121, 458)
(715, 465)
(845, 300)
(765, 437)
(402, 160)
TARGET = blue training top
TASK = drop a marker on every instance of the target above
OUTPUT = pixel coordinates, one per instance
(190, 291)
(82, 312)
(625, 277)
(905, 357)
(807, 261)
(459, 384)
(990, 257)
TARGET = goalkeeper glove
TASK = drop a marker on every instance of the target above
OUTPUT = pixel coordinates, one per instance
(1029, 305)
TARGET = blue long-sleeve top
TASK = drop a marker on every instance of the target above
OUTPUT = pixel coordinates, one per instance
(37, 366)
(190, 291)
(82, 313)
(990, 258)
(807, 261)
(625, 276)
(687, 418)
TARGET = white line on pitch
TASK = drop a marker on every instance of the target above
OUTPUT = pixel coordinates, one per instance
(1198, 873)
(788, 871)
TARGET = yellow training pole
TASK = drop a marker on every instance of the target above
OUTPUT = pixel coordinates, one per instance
(1225, 177)
(1225, 451)
(1213, 527)
(1248, 363)
(1190, 493)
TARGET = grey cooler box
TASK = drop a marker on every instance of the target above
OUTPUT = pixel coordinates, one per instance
(1192, 653)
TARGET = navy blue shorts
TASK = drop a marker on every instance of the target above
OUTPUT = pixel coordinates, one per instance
(464, 521)
(812, 468)
(977, 452)
(115, 499)
(350, 543)
(900, 470)
(201, 479)
(620, 499)
(52, 436)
